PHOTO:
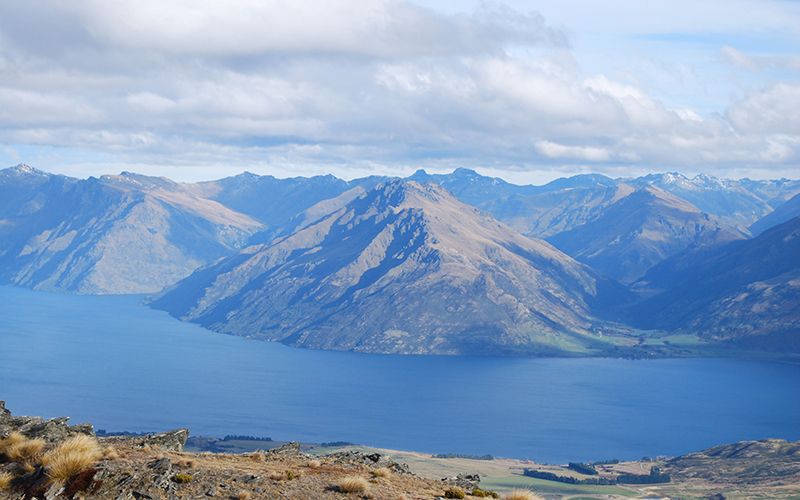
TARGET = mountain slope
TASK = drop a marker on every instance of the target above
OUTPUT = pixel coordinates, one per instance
(640, 230)
(782, 213)
(405, 268)
(117, 234)
(748, 294)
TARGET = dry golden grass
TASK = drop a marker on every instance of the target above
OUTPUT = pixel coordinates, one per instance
(353, 484)
(110, 453)
(25, 449)
(29, 467)
(243, 495)
(257, 456)
(382, 472)
(519, 494)
(187, 464)
(5, 479)
(12, 439)
(71, 457)
(314, 464)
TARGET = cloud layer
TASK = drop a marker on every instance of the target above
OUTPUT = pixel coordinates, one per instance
(363, 84)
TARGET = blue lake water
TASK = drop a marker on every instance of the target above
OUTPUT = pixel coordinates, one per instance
(121, 366)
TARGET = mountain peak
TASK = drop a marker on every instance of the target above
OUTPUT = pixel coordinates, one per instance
(25, 169)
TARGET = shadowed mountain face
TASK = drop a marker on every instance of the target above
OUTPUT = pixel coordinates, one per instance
(747, 294)
(117, 234)
(405, 268)
(639, 231)
(781, 214)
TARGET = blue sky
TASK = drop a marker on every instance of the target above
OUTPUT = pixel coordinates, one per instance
(527, 91)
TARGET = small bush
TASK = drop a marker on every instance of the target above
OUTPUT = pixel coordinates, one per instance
(353, 484)
(290, 475)
(477, 492)
(519, 494)
(182, 478)
(382, 472)
(71, 457)
(25, 449)
(492, 494)
(314, 464)
(454, 493)
(5, 480)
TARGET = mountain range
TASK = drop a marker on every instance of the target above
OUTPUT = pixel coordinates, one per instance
(451, 263)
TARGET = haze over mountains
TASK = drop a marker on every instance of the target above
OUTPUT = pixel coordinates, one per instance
(385, 265)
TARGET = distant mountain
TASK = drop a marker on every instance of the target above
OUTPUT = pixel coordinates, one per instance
(737, 202)
(782, 213)
(403, 268)
(274, 201)
(640, 230)
(747, 295)
(117, 234)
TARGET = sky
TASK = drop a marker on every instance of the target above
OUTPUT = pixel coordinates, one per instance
(527, 91)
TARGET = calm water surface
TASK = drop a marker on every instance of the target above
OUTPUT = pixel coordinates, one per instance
(120, 366)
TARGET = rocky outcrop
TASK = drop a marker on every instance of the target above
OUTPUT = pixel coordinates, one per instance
(170, 440)
(50, 430)
(376, 460)
(464, 481)
(289, 450)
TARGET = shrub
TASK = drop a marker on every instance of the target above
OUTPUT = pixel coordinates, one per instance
(353, 484)
(519, 494)
(24, 449)
(477, 492)
(382, 472)
(454, 493)
(290, 475)
(5, 480)
(492, 494)
(182, 478)
(71, 457)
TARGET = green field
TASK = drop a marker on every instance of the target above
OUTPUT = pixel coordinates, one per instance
(544, 486)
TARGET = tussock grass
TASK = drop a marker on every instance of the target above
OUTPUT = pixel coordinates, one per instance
(353, 484)
(243, 495)
(5, 480)
(25, 449)
(187, 464)
(520, 494)
(110, 453)
(314, 464)
(257, 456)
(71, 457)
(12, 439)
(382, 472)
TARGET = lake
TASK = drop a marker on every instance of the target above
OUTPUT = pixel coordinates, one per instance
(121, 366)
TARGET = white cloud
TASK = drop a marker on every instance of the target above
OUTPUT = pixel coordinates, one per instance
(358, 84)
(759, 63)
(553, 150)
